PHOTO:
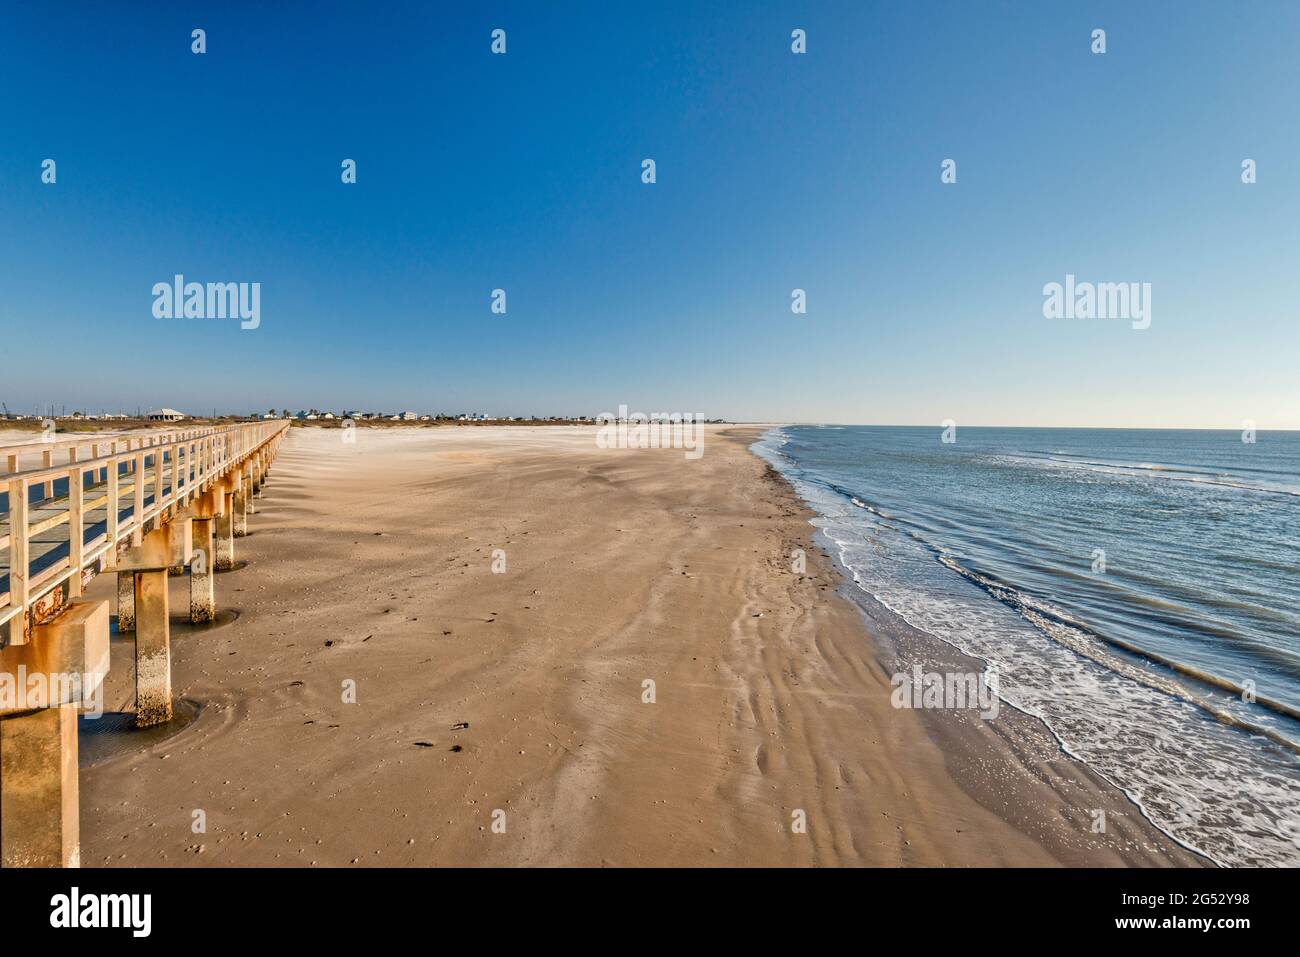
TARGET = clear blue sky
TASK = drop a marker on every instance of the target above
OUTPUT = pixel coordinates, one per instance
(775, 171)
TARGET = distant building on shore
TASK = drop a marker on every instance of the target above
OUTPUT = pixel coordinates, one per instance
(166, 415)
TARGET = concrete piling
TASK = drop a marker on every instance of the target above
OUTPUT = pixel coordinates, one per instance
(240, 504)
(163, 548)
(224, 533)
(203, 596)
(38, 789)
(125, 603)
(153, 652)
(38, 735)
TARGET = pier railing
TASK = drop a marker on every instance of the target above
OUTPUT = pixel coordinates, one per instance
(137, 479)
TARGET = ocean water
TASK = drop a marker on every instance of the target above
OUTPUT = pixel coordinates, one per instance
(1137, 590)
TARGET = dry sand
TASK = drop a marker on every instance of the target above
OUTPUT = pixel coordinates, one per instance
(522, 692)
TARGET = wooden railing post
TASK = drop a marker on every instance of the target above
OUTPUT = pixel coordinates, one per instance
(114, 511)
(47, 461)
(137, 534)
(76, 527)
(19, 558)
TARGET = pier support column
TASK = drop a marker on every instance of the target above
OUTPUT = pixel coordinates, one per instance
(38, 734)
(153, 651)
(38, 789)
(125, 603)
(225, 533)
(203, 596)
(161, 549)
(249, 488)
(239, 505)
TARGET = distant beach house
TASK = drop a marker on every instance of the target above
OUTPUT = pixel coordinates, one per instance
(166, 415)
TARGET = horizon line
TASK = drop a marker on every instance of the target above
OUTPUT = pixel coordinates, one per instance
(710, 419)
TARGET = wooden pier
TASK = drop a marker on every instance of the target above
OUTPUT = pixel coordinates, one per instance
(142, 507)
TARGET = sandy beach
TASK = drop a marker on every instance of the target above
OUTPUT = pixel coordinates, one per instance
(500, 714)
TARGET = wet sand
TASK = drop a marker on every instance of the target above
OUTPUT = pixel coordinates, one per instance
(500, 716)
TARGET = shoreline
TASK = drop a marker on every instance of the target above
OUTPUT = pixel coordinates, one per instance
(1016, 745)
(885, 622)
(1026, 738)
(771, 690)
